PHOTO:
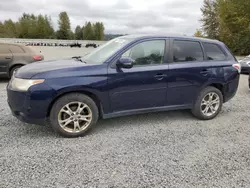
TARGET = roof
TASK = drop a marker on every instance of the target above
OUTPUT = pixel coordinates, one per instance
(146, 36)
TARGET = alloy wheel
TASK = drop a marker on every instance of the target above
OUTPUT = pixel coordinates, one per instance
(210, 104)
(75, 117)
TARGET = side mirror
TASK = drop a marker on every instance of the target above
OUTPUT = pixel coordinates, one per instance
(125, 62)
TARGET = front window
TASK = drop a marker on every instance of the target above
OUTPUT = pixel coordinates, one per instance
(147, 53)
(106, 50)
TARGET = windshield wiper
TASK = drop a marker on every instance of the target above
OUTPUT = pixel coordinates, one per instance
(79, 58)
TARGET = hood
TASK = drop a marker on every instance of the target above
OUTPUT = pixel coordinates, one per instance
(32, 69)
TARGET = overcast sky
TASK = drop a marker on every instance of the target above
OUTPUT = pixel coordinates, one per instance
(118, 16)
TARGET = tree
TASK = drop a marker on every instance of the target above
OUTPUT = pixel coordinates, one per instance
(83, 32)
(2, 30)
(98, 29)
(49, 30)
(64, 31)
(235, 25)
(9, 29)
(24, 26)
(88, 31)
(198, 33)
(78, 33)
(41, 27)
(210, 22)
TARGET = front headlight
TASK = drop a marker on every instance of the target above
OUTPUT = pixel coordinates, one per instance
(23, 84)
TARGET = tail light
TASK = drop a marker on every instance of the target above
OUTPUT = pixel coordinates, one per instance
(38, 57)
(237, 66)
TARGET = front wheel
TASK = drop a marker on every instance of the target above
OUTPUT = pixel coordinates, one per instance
(73, 115)
(208, 103)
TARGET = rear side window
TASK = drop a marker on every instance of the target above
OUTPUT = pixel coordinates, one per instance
(187, 51)
(16, 49)
(4, 49)
(214, 52)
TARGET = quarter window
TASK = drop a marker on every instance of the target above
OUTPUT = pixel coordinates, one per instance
(214, 52)
(187, 51)
(147, 53)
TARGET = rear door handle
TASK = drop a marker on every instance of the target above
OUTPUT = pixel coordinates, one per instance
(7, 57)
(205, 72)
(160, 76)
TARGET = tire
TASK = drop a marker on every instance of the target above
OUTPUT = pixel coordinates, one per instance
(13, 69)
(199, 107)
(58, 113)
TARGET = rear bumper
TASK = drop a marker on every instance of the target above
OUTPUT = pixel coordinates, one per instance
(231, 88)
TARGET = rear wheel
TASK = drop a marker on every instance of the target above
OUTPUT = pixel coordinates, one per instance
(13, 69)
(208, 103)
(73, 115)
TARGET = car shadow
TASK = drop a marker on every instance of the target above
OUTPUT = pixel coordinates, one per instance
(142, 119)
(35, 131)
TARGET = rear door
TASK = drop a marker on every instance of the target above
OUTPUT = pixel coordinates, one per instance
(5, 58)
(188, 71)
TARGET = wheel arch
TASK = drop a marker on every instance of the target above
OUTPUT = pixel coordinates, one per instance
(218, 85)
(90, 94)
(13, 66)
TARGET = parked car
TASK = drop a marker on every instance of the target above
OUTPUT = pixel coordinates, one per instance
(128, 75)
(14, 56)
(245, 65)
(75, 45)
(91, 45)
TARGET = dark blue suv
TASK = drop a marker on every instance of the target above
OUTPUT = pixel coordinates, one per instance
(127, 75)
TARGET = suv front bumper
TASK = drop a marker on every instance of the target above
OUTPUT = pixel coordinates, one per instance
(32, 106)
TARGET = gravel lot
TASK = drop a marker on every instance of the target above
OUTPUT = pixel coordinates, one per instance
(168, 149)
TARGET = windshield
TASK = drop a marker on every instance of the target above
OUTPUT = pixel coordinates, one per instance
(106, 50)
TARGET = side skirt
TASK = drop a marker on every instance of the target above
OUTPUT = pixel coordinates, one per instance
(146, 110)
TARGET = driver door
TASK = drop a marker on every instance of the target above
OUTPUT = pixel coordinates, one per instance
(144, 85)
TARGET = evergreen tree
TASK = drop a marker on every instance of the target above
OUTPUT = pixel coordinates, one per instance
(49, 30)
(2, 30)
(210, 22)
(235, 25)
(64, 31)
(88, 31)
(78, 33)
(9, 29)
(41, 27)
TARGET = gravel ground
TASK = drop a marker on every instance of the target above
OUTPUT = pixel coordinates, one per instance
(168, 149)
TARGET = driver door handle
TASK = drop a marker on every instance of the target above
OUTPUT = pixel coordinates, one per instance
(160, 76)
